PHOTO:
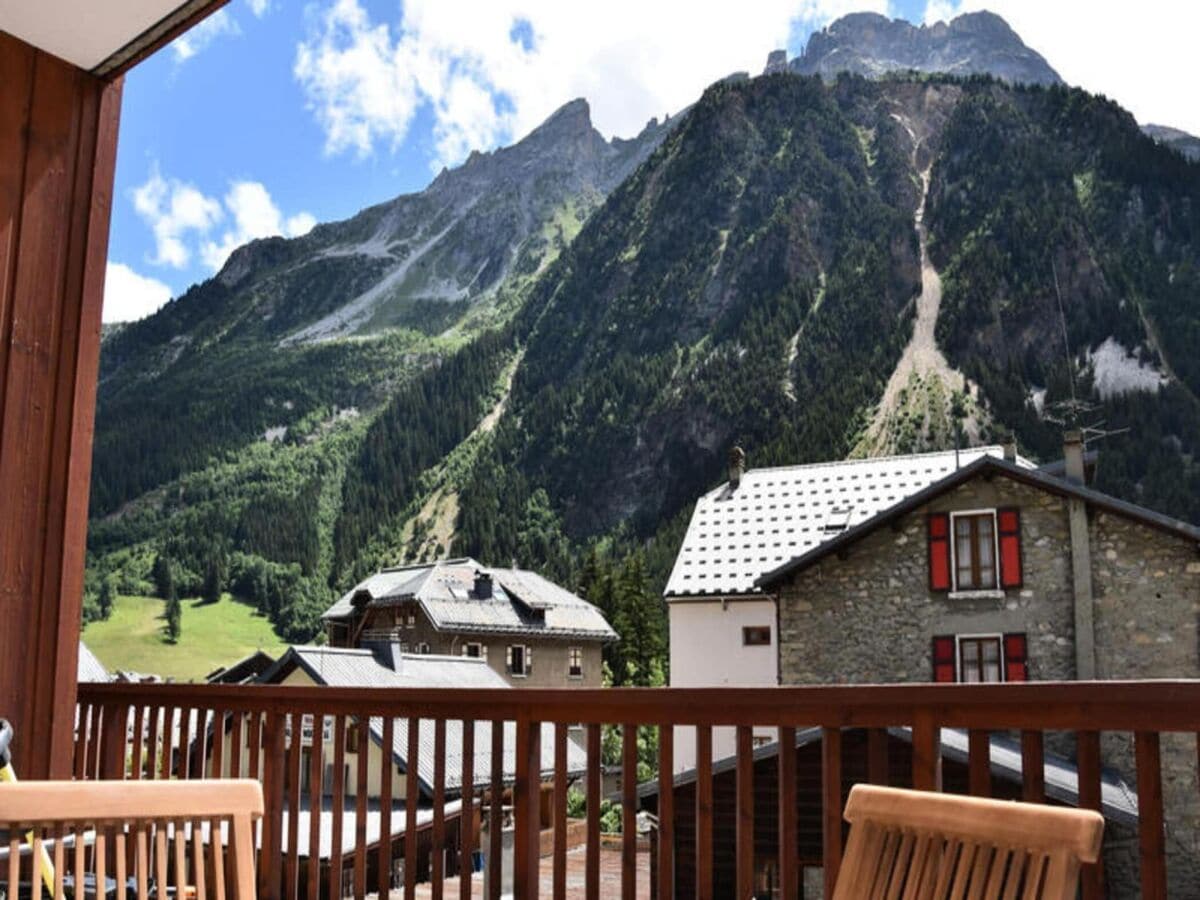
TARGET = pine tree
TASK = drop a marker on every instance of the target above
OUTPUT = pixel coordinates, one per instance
(174, 617)
(108, 593)
(214, 580)
(164, 576)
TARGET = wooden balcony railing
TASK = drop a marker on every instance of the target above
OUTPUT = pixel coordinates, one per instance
(164, 731)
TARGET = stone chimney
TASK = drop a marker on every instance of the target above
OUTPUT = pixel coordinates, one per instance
(1010, 448)
(1073, 456)
(737, 466)
(483, 585)
(1081, 561)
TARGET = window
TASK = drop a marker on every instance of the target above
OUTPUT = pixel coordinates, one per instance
(575, 662)
(520, 660)
(423, 647)
(472, 650)
(975, 551)
(979, 660)
(412, 620)
(756, 636)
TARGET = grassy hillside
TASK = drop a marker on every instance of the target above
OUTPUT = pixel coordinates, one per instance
(132, 638)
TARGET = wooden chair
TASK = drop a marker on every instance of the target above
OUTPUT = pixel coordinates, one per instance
(925, 846)
(131, 835)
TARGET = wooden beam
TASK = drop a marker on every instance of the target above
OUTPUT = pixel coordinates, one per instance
(58, 138)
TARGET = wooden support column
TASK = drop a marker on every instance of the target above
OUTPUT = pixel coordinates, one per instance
(58, 142)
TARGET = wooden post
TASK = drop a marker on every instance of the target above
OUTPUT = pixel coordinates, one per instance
(58, 141)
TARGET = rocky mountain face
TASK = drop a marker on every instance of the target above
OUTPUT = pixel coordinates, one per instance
(872, 45)
(1187, 144)
(261, 345)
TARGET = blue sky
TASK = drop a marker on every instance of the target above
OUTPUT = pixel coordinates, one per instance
(275, 114)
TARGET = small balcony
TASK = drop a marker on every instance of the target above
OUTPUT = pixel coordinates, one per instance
(499, 769)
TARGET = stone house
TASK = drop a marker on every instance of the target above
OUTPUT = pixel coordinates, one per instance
(998, 572)
(722, 624)
(529, 630)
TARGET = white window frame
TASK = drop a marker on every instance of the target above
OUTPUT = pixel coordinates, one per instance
(571, 651)
(958, 668)
(424, 648)
(955, 591)
(482, 654)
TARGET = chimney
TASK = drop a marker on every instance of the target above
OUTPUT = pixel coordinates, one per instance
(386, 652)
(1010, 448)
(483, 585)
(1073, 456)
(737, 466)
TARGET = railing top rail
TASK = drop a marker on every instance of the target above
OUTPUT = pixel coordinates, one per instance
(1109, 705)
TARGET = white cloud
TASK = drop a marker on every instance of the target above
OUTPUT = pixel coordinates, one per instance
(940, 11)
(490, 72)
(255, 215)
(129, 296)
(217, 25)
(172, 209)
(1143, 57)
(260, 7)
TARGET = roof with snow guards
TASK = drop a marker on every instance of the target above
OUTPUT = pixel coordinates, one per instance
(351, 667)
(522, 602)
(1035, 478)
(777, 514)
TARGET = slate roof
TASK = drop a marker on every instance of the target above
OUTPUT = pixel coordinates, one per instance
(522, 602)
(985, 464)
(1118, 800)
(347, 667)
(777, 514)
(89, 668)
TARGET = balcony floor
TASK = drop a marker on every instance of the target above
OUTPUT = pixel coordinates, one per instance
(610, 877)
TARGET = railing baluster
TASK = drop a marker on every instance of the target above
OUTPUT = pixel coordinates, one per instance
(84, 713)
(152, 741)
(926, 752)
(831, 806)
(411, 797)
(1088, 767)
(360, 808)
(438, 848)
(666, 811)
(744, 856)
(1033, 767)
(591, 879)
(91, 763)
(316, 762)
(1151, 839)
(466, 819)
(139, 737)
(560, 811)
(270, 764)
(255, 738)
(629, 761)
(236, 744)
(292, 865)
(979, 763)
(113, 735)
(789, 870)
(186, 715)
(496, 814)
(198, 873)
(338, 804)
(527, 810)
(384, 874)
(704, 811)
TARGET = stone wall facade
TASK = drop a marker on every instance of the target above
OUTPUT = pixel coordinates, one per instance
(867, 615)
(551, 656)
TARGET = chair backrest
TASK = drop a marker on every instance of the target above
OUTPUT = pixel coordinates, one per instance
(137, 838)
(927, 846)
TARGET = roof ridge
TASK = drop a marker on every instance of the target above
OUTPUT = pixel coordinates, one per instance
(876, 459)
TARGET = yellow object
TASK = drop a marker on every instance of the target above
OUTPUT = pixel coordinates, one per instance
(7, 773)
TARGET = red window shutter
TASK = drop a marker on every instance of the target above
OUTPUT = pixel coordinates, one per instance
(1016, 664)
(944, 668)
(939, 551)
(1009, 529)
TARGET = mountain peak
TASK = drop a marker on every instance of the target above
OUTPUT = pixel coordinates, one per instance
(869, 44)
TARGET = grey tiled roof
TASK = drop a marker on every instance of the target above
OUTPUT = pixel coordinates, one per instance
(522, 602)
(345, 667)
(89, 668)
(781, 513)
